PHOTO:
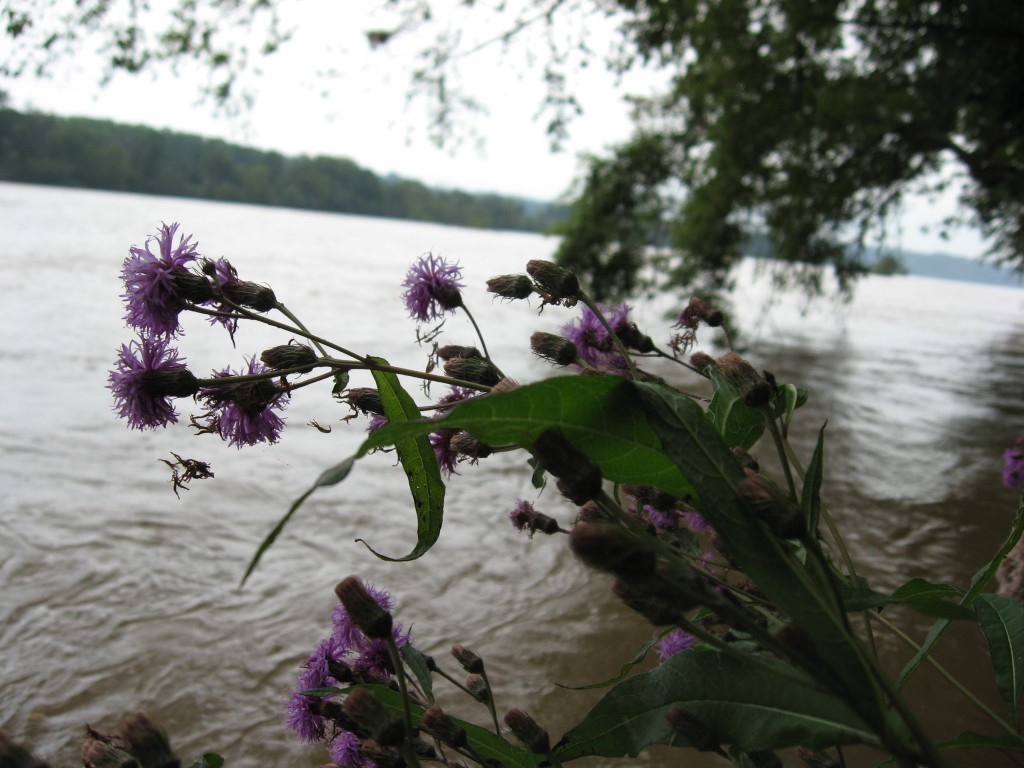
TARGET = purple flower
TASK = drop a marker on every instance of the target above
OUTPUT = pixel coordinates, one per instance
(376, 422)
(675, 641)
(594, 344)
(432, 288)
(244, 413)
(347, 751)
(1013, 465)
(447, 456)
(154, 282)
(300, 713)
(148, 373)
(697, 522)
(225, 274)
(666, 519)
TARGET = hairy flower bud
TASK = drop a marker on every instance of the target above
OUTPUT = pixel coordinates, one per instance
(443, 727)
(453, 350)
(364, 399)
(528, 731)
(147, 742)
(468, 660)
(287, 356)
(246, 294)
(751, 386)
(702, 360)
(477, 370)
(607, 546)
(524, 517)
(579, 478)
(465, 444)
(365, 612)
(369, 714)
(510, 286)
(478, 688)
(557, 284)
(191, 287)
(557, 349)
(169, 382)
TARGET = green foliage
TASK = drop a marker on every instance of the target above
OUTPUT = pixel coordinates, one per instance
(95, 154)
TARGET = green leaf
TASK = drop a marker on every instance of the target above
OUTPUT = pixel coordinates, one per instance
(417, 664)
(329, 476)
(599, 415)
(972, 740)
(484, 743)
(920, 594)
(787, 399)
(810, 497)
(340, 382)
(737, 423)
(208, 760)
(754, 705)
(640, 655)
(417, 458)
(707, 462)
(1002, 621)
(978, 583)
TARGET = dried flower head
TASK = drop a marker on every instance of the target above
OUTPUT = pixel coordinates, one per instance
(245, 413)
(432, 287)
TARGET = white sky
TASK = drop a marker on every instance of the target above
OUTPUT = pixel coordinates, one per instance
(361, 110)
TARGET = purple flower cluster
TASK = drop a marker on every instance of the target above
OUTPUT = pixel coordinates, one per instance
(153, 282)
(346, 656)
(594, 344)
(1013, 465)
(432, 288)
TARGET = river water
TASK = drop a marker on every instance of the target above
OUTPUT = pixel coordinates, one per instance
(117, 596)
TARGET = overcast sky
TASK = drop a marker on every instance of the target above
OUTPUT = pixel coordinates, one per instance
(326, 93)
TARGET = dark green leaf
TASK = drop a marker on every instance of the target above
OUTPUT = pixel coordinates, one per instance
(209, 760)
(483, 742)
(978, 583)
(972, 740)
(811, 493)
(787, 399)
(419, 462)
(340, 382)
(641, 654)
(1002, 621)
(417, 664)
(737, 423)
(753, 705)
(920, 594)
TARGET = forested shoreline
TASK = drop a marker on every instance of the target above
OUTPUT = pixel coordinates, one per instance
(99, 154)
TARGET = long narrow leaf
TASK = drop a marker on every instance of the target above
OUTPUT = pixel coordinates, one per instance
(1002, 621)
(978, 583)
(810, 497)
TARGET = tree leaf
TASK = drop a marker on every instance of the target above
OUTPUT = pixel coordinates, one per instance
(737, 423)
(753, 705)
(419, 462)
(1002, 621)
(978, 583)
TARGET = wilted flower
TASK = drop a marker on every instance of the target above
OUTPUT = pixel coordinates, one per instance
(148, 373)
(525, 517)
(154, 283)
(244, 413)
(432, 288)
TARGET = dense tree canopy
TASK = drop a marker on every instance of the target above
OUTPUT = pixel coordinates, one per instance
(800, 124)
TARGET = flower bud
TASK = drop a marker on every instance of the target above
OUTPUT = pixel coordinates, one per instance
(443, 727)
(769, 504)
(654, 601)
(364, 399)
(465, 444)
(477, 370)
(557, 284)
(289, 356)
(365, 612)
(631, 336)
(524, 516)
(478, 688)
(147, 742)
(606, 546)
(169, 382)
(246, 294)
(693, 730)
(557, 349)
(369, 714)
(468, 660)
(528, 731)
(192, 287)
(510, 286)
(750, 385)
(702, 360)
(579, 479)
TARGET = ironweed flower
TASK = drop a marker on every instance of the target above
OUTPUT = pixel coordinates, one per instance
(594, 344)
(154, 282)
(432, 288)
(347, 751)
(1013, 465)
(244, 413)
(148, 373)
(675, 641)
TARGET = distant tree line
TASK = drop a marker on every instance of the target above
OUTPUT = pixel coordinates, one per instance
(98, 154)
